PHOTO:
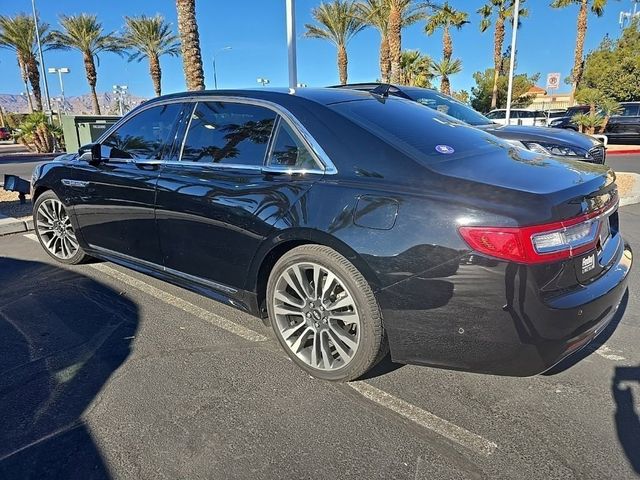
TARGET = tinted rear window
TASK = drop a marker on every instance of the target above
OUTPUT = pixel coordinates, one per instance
(420, 132)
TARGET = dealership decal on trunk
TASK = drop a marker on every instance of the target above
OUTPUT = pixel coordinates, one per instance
(588, 263)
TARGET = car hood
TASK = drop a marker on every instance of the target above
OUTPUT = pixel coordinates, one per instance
(541, 134)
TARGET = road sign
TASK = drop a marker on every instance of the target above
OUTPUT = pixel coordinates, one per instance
(553, 81)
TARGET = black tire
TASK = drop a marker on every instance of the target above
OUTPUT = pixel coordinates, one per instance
(79, 256)
(372, 346)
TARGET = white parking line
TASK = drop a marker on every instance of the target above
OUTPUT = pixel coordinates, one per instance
(415, 414)
(425, 419)
(183, 305)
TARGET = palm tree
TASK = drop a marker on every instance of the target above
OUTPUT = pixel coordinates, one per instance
(446, 17)
(190, 41)
(338, 22)
(416, 69)
(84, 33)
(150, 37)
(401, 14)
(19, 34)
(503, 10)
(597, 7)
(375, 13)
(444, 69)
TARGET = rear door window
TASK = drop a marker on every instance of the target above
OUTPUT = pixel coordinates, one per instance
(228, 133)
(630, 110)
(289, 150)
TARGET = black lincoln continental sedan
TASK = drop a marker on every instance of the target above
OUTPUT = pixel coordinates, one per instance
(354, 222)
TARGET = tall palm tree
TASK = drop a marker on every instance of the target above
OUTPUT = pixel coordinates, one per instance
(401, 14)
(84, 33)
(375, 13)
(151, 38)
(502, 10)
(444, 69)
(19, 34)
(597, 7)
(190, 41)
(416, 69)
(446, 17)
(338, 22)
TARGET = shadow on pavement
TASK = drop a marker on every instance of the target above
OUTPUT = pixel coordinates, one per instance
(62, 335)
(626, 418)
(595, 344)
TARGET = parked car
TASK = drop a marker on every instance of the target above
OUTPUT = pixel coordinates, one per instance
(353, 222)
(624, 127)
(519, 116)
(539, 139)
(5, 133)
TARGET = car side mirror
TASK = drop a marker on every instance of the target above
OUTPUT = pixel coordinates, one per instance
(91, 153)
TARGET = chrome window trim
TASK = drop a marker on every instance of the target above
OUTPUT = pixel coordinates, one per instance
(284, 169)
(314, 147)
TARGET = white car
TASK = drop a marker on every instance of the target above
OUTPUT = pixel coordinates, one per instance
(519, 116)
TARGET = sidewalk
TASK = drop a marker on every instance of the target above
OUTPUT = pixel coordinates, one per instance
(14, 216)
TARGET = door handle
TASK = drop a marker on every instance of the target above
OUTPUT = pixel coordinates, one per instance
(75, 183)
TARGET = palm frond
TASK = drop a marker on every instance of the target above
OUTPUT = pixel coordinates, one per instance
(337, 21)
(149, 36)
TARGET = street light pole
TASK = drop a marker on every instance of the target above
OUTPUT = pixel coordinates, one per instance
(215, 74)
(44, 77)
(512, 61)
(291, 43)
(263, 81)
(60, 71)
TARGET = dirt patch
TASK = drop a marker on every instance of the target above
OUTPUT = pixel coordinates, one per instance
(625, 183)
(10, 205)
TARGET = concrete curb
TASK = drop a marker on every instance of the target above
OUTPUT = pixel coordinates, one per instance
(624, 152)
(633, 195)
(9, 225)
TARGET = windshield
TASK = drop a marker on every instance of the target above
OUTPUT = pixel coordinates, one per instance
(421, 133)
(447, 105)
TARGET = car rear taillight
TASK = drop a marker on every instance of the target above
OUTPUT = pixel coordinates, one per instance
(538, 243)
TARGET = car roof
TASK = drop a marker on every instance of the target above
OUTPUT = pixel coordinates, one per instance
(324, 96)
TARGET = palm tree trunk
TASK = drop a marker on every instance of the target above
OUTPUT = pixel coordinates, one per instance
(156, 74)
(445, 85)
(34, 79)
(498, 40)
(395, 42)
(25, 78)
(447, 44)
(342, 64)
(576, 73)
(92, 79)
(190, 42)
(385, 64)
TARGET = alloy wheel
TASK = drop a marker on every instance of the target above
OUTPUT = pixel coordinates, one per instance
(316, 315)
(55, 230)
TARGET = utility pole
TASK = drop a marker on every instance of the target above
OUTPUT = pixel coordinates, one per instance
(44, 76)
(291, 43)
(512, 61)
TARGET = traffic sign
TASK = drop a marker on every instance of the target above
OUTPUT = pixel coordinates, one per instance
(553, 81)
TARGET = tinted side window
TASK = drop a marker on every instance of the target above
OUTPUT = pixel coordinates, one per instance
(221, 132)
(289, 151)
(526, 114)
(497, 115)
(630, 110)
(145, 135)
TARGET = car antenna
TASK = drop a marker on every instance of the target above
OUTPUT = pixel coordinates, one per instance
(381, 90)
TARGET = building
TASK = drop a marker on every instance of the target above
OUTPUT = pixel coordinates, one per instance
(543, 101)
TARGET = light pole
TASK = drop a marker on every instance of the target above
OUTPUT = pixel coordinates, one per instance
(512, 61)
(120, 91)
(215, 75)
(60, 71)
(44, 77)
(291, 43)
(301, 85)
(263, 81)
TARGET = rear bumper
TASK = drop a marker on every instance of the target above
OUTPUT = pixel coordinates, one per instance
(489, 317)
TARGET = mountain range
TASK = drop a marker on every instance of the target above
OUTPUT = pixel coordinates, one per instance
(81, 104)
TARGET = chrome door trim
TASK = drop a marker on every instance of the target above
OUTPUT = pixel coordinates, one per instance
(161, 268)
(74, 183)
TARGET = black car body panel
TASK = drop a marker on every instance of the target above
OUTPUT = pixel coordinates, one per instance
(622, 127)
(388, 200)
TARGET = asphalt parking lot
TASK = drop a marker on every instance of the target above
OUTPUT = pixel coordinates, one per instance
(107, 373)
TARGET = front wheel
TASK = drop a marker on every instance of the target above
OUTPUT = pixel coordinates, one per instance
(54, 230)
(324, 314)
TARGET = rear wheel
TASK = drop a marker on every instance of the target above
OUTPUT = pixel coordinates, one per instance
(54, 230)
(324, 314)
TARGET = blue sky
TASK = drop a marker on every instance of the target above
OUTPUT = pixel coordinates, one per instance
(255, 29)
